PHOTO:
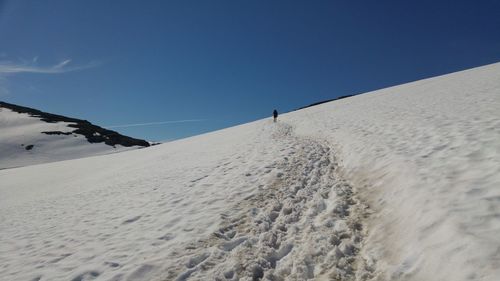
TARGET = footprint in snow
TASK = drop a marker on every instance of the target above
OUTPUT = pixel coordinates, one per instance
(131, 220)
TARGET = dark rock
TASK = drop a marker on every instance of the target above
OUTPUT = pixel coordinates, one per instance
(325, 101)
(57, 133)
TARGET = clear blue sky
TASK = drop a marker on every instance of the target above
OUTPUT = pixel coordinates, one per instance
(227, 62)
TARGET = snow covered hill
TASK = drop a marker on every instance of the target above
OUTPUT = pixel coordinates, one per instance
(397, 184)
(29, 136)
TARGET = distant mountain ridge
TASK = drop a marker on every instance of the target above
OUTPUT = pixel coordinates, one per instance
(30, 136)
(93, 133)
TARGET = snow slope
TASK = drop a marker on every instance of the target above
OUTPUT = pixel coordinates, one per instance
(398, 184)
(426, 155)
(23, 141)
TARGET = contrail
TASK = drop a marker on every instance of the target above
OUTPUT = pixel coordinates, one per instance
(155, 123)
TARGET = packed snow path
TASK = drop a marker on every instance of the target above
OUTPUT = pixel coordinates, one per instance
(306, 223)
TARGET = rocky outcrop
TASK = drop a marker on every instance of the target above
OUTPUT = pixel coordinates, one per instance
(93, 133)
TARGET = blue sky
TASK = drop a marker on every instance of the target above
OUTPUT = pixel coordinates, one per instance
(214, 64)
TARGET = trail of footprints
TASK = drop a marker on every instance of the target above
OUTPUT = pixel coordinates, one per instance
(306, 224)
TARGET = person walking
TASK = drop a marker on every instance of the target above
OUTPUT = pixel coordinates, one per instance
(275, 115)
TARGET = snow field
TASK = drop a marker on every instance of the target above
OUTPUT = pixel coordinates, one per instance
(177, 224)
(193, 208)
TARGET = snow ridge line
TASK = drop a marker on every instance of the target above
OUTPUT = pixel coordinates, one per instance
(306, 224)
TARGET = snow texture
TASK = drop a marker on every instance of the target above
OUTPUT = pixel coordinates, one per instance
(398, 184)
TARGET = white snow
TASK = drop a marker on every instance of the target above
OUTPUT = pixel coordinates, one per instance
(18, 130)
(398, 184)
(426, 155)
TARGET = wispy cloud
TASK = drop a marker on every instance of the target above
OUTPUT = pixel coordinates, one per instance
(155, 123)
(8, 67)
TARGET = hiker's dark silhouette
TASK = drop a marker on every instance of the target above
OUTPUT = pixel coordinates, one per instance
(275, 115)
